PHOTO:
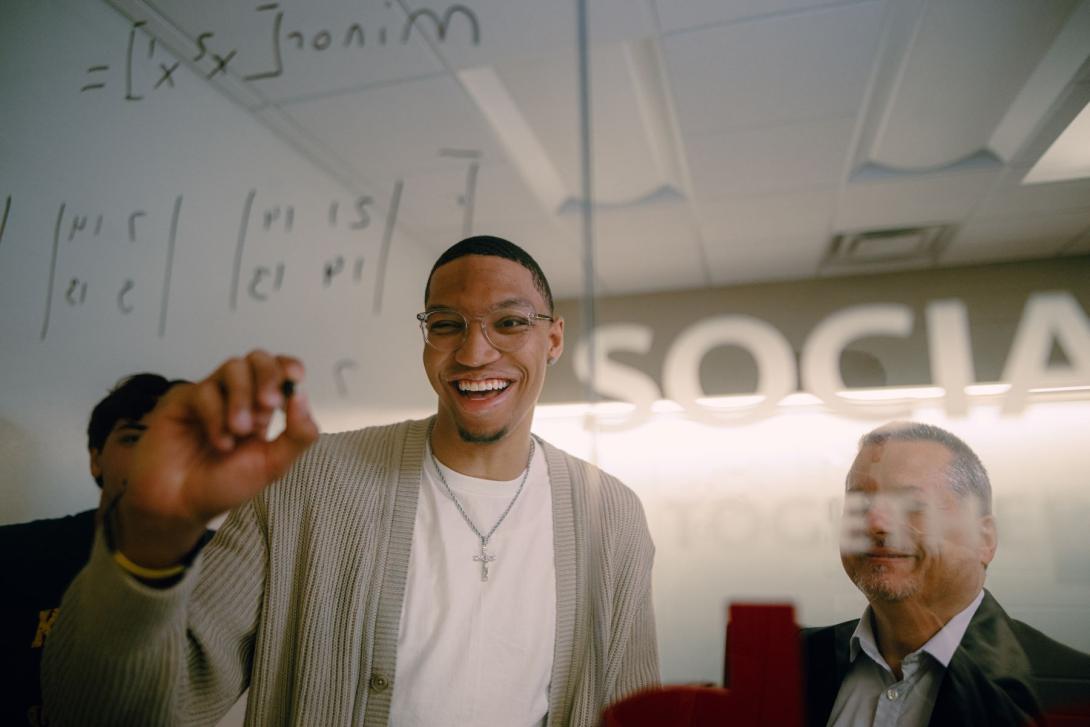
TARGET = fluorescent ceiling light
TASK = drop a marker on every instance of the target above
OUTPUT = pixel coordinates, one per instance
(1045, 93)
(632, 110)
(1068, 157)
(523, 147)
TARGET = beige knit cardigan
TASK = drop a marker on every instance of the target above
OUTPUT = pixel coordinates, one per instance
(298, 597)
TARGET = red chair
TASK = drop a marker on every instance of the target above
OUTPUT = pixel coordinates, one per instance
(762, 671)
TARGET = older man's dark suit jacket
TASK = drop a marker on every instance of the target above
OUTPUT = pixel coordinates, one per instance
(1003, 673)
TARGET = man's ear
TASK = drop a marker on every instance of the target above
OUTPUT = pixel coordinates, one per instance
(989, 539)
(96, 467)
(556, 340)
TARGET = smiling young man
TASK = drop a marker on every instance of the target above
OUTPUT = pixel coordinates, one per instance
(450, 571)
(933, 646)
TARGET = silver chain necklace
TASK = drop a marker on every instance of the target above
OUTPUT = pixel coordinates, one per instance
(484, 558)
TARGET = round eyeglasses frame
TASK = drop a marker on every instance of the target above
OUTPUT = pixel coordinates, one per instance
(506, 342)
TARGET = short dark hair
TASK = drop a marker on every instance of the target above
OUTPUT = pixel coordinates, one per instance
(131, 398)
(496, 247)
(965, 474)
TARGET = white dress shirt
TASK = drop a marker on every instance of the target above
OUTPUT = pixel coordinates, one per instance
(872, 695)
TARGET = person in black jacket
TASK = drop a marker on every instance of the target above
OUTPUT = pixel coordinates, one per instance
(933, 646)
(42, 557)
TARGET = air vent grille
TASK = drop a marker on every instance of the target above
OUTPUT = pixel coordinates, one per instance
(893, 247)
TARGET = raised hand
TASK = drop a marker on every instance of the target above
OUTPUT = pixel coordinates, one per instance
(205, 452)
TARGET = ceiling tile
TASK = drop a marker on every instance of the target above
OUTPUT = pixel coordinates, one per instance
(523, 28)
(767, 159)
(502, 195)
(1010, 197)
(553, 241)
(772, 71)
(784, 258)
(557, 249)
(401, 129)
(677, 15)
(769, 216)
(495, 192)
(654, 248)
(999, 238)
(766, 97)
(912, 200)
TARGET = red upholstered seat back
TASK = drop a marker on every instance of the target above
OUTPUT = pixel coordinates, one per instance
(762, 670)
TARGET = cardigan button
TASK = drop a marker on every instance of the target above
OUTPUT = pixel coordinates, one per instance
(379, 682)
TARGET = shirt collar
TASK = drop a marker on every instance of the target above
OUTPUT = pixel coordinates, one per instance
(941, 646)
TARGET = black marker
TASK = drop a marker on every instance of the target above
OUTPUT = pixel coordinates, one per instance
(287, 388)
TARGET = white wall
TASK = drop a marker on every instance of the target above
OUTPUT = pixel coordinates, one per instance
(752, 513)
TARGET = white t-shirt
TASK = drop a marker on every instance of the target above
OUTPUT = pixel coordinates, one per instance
(473, 652)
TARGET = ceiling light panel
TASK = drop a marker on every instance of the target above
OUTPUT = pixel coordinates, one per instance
(533, 108)
(1049, 94)
(1068, 157)
(964, 65)
(1011, 197)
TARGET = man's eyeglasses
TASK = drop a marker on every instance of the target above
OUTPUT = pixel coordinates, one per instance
(506, 329)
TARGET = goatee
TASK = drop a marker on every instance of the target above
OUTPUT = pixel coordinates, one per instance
(475, 438)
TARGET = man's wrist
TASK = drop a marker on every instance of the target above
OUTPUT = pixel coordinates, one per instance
(147, 574)
(153, 554)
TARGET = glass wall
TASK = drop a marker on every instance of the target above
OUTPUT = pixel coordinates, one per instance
(770, 227)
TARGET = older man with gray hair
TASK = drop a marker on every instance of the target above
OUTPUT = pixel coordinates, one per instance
(933, 646)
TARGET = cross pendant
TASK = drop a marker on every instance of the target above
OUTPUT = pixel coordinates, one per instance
(484, 559)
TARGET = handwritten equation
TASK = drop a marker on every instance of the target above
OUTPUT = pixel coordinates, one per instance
(4, 217)
(274, 245)
(147, 67)
(266, 280)
(74, 228)
(260, 280)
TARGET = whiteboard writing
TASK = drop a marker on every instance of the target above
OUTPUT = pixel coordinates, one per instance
(4, 217)
(147, 69)
(280, 243)
(80, 229)
(262, 281)
(468, 197)
(344, 364)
